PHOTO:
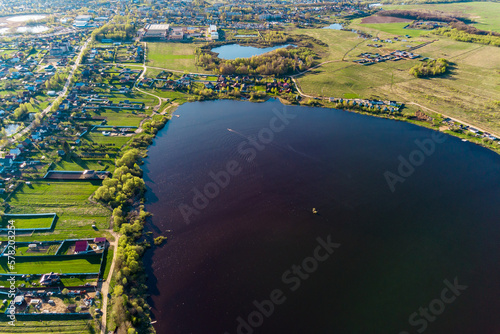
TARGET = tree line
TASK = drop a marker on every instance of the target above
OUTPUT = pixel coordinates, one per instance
(277, 62)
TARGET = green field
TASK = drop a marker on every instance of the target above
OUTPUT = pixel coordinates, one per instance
(27, 222)
(339, 42)
(485, 13)
(173, 56)
(77, 281)
(89, 264)
(70, 200)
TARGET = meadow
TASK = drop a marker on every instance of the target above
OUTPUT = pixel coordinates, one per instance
(120, 118)
(27, 222)
(98, 138)
(89, 264)
(173, 56)
(486, 14)
(470, 91)
(85, 164)
(70, 200)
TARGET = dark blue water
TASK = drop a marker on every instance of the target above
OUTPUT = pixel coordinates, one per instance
(233, 51)
(392, 252)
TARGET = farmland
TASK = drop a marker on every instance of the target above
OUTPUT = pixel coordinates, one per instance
(484, 13)
(173, 56)
(83, 164)
(70, 200)
(27, 222)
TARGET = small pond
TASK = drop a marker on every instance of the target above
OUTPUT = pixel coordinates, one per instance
(25, 18)
(335, 26)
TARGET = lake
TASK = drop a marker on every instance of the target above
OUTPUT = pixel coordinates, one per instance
(25, 18)
(233, 185)
(335, 26)
(33, 29)
(233, 51)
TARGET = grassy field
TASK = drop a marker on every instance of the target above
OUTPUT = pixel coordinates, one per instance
(174, 96)
(77, 281)
(108, 259)
(469, 92)
(485, 13)
(339, 42)
(85, 164)
(63, 326)
(70, 200)
(174, 56)
(89, 264)
(27, 222)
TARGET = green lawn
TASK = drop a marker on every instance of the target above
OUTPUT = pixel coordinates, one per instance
(24, 251)
(63, 326)
(485, 13)
(107, 262)
(174, 56)
(121, 118)
(89, 264)
(70, 200)
(77, 281)
(339, 42)
(99, 138)
(27, 222)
